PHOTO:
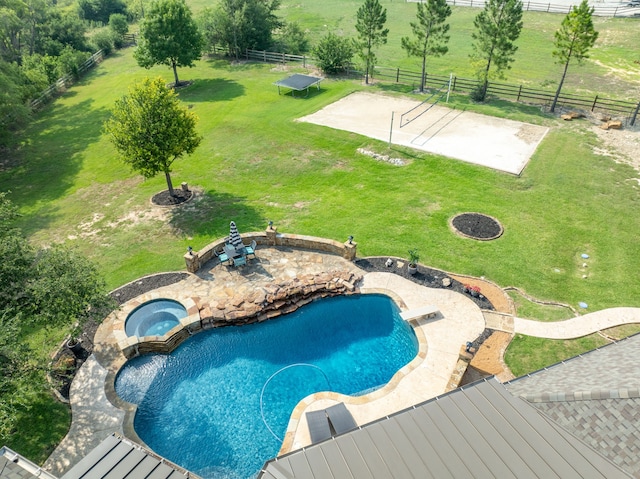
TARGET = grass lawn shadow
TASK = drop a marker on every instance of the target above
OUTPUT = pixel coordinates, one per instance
(212, 89)
(51, 157)
(211, 212)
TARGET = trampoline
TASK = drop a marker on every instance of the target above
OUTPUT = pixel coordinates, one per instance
(298, 82)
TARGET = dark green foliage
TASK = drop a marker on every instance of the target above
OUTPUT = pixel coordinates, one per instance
(150, 129)
(371, 18)
(430, 33)
(69, 61)
(100, 10)
(65, 29)
(103, 40)
(334, 53)
(119, 27)
(239, 25)
(498, 26)
(574, 39)
(169, 36)
(292, 40)
(14, 90)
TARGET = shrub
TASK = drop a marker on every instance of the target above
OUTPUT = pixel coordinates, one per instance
(103, 40)
(119, 27)
(334, 53)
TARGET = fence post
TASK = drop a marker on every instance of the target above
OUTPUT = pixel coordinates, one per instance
(595, 101)
(304, 61)
(453, 88)
(519, 91)
(615, 12)
(548, 7)
(635, 113)
(397, 75)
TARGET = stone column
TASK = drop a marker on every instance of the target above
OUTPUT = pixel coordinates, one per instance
(350, 250)
(271, 235)
(192, 261)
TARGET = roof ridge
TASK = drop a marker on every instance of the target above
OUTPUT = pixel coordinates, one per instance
(594, 394)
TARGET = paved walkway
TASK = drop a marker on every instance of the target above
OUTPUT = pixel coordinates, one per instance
(578, 326)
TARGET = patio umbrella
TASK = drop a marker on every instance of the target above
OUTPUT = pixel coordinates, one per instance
(234, 237)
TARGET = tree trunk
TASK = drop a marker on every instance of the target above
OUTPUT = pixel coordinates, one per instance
(564, 74)
(167, 175)
(175, 74)
(424, 73)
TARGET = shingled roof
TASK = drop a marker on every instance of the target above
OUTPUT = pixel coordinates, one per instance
(477, 431)
(596, 397)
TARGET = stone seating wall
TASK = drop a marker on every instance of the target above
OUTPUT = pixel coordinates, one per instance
(196, 259)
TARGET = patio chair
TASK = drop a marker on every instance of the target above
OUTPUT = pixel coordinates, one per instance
(222, 256)
(341, 419)
(251, 249)
(240, 261)
(318, 426)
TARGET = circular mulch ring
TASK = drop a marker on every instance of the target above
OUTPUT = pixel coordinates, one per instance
(477, 226)
(165, 199)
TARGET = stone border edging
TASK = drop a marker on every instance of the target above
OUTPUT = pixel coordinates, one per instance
(539, 301)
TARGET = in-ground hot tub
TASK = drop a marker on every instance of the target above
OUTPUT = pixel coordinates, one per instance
(154, 318)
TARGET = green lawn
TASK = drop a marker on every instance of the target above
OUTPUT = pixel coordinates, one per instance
(256, 163)
(612, 57)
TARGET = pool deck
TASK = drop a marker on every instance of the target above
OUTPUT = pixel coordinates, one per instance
(98, 412)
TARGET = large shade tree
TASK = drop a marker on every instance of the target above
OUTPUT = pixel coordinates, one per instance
(168, 36)
(430, 33)
(498, 26)
(573, 40)
(370, 20)
(150, 129)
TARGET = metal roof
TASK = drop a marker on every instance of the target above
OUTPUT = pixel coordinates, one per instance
(117, 458)
(596, 397)
(14, 466)
(477, 431)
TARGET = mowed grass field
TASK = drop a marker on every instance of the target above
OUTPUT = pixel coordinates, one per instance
(614, 57)
(257, 163)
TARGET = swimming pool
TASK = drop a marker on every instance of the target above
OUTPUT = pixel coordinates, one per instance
(200, 405)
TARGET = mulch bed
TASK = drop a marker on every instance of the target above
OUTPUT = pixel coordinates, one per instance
(477, 226)
(165, 199)
(431, 278)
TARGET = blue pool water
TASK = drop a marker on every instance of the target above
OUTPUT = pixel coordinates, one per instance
(154, 318)
(200, 405)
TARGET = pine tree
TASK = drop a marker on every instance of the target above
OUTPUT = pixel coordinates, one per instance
(430, 33)
(573, 40)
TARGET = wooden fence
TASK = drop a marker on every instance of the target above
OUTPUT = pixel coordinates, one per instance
(62, 83)
(621, 10)
(626, 110)
(620, 108)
